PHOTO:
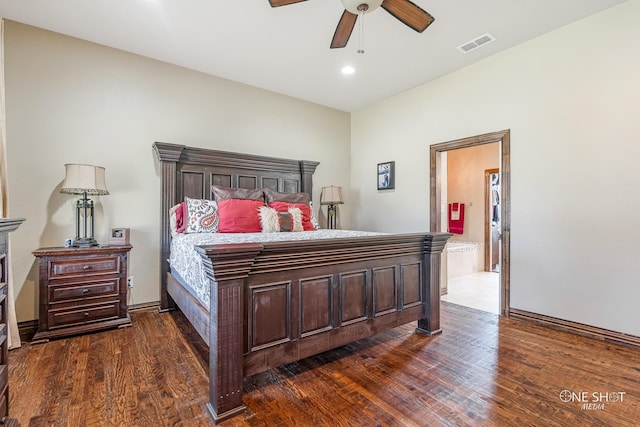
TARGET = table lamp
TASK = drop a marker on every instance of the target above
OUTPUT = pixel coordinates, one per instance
(85, 180)
(331, 196)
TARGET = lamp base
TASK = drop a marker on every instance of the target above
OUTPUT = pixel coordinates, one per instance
(331, 216)
(84, 243)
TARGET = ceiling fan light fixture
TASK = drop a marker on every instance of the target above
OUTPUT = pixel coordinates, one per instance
(353, 6)
(348, 70)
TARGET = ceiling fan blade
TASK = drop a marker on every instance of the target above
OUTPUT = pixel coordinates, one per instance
(276, 3)
(344, 29)
(408, 13)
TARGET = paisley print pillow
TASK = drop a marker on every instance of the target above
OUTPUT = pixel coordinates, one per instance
(202, 216)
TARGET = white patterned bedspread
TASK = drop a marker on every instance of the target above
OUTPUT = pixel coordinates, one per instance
(188, 264)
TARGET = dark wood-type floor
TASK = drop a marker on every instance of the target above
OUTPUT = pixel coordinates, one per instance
(481, 371)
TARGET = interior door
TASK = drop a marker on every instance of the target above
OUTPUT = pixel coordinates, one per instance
(492, 220)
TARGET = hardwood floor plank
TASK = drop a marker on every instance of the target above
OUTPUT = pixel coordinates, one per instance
(482, 371)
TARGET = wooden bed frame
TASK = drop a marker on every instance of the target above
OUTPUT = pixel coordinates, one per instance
(279, 302)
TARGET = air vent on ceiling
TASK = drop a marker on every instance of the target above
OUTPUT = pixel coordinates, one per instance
(474, 44)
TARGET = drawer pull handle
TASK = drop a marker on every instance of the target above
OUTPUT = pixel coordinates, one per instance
(86, 314)
(85, 290)
(86, 267)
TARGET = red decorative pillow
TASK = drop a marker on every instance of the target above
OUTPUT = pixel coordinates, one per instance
(177, 219)
(306, 212)
(239, 216)
(181, 213)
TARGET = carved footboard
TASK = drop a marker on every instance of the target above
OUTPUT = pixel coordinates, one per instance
(280, 302)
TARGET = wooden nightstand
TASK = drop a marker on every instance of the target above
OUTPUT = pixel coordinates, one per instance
(81, 290)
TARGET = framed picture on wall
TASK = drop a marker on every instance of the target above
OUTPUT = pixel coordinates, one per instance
(386, 175)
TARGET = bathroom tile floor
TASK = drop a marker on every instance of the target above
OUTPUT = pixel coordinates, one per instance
(480, 290)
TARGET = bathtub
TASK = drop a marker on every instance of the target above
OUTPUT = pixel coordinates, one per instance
(463, 258)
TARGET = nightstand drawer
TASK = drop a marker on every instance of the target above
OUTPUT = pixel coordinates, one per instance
(83, 314)
(72, 291)
(74, 267)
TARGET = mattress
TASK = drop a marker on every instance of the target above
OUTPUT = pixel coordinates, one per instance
(187, 265)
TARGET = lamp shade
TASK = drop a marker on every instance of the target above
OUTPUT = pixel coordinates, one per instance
(331, 196)
(81, 179)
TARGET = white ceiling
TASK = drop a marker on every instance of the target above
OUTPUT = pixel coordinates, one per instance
(286, 49)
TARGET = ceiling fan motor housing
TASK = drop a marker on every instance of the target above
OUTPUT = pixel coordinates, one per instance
(353, 6)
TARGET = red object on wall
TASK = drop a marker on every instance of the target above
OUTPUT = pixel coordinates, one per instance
(456, 218)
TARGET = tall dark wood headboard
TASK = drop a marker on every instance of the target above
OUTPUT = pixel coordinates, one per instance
(190, 172)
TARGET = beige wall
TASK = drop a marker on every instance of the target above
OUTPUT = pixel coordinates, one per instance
(571, 100)
(73, 101)
(465, 184)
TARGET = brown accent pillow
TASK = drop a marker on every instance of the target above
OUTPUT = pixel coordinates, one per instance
(224, 193)
(273, 221)
(286, 221)
(274, 196)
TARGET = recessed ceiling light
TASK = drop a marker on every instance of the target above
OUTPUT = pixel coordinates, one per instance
(348, 70)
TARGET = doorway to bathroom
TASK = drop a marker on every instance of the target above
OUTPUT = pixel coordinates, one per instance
(470, 197)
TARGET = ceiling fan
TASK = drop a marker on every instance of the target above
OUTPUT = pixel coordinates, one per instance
(405, 11)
